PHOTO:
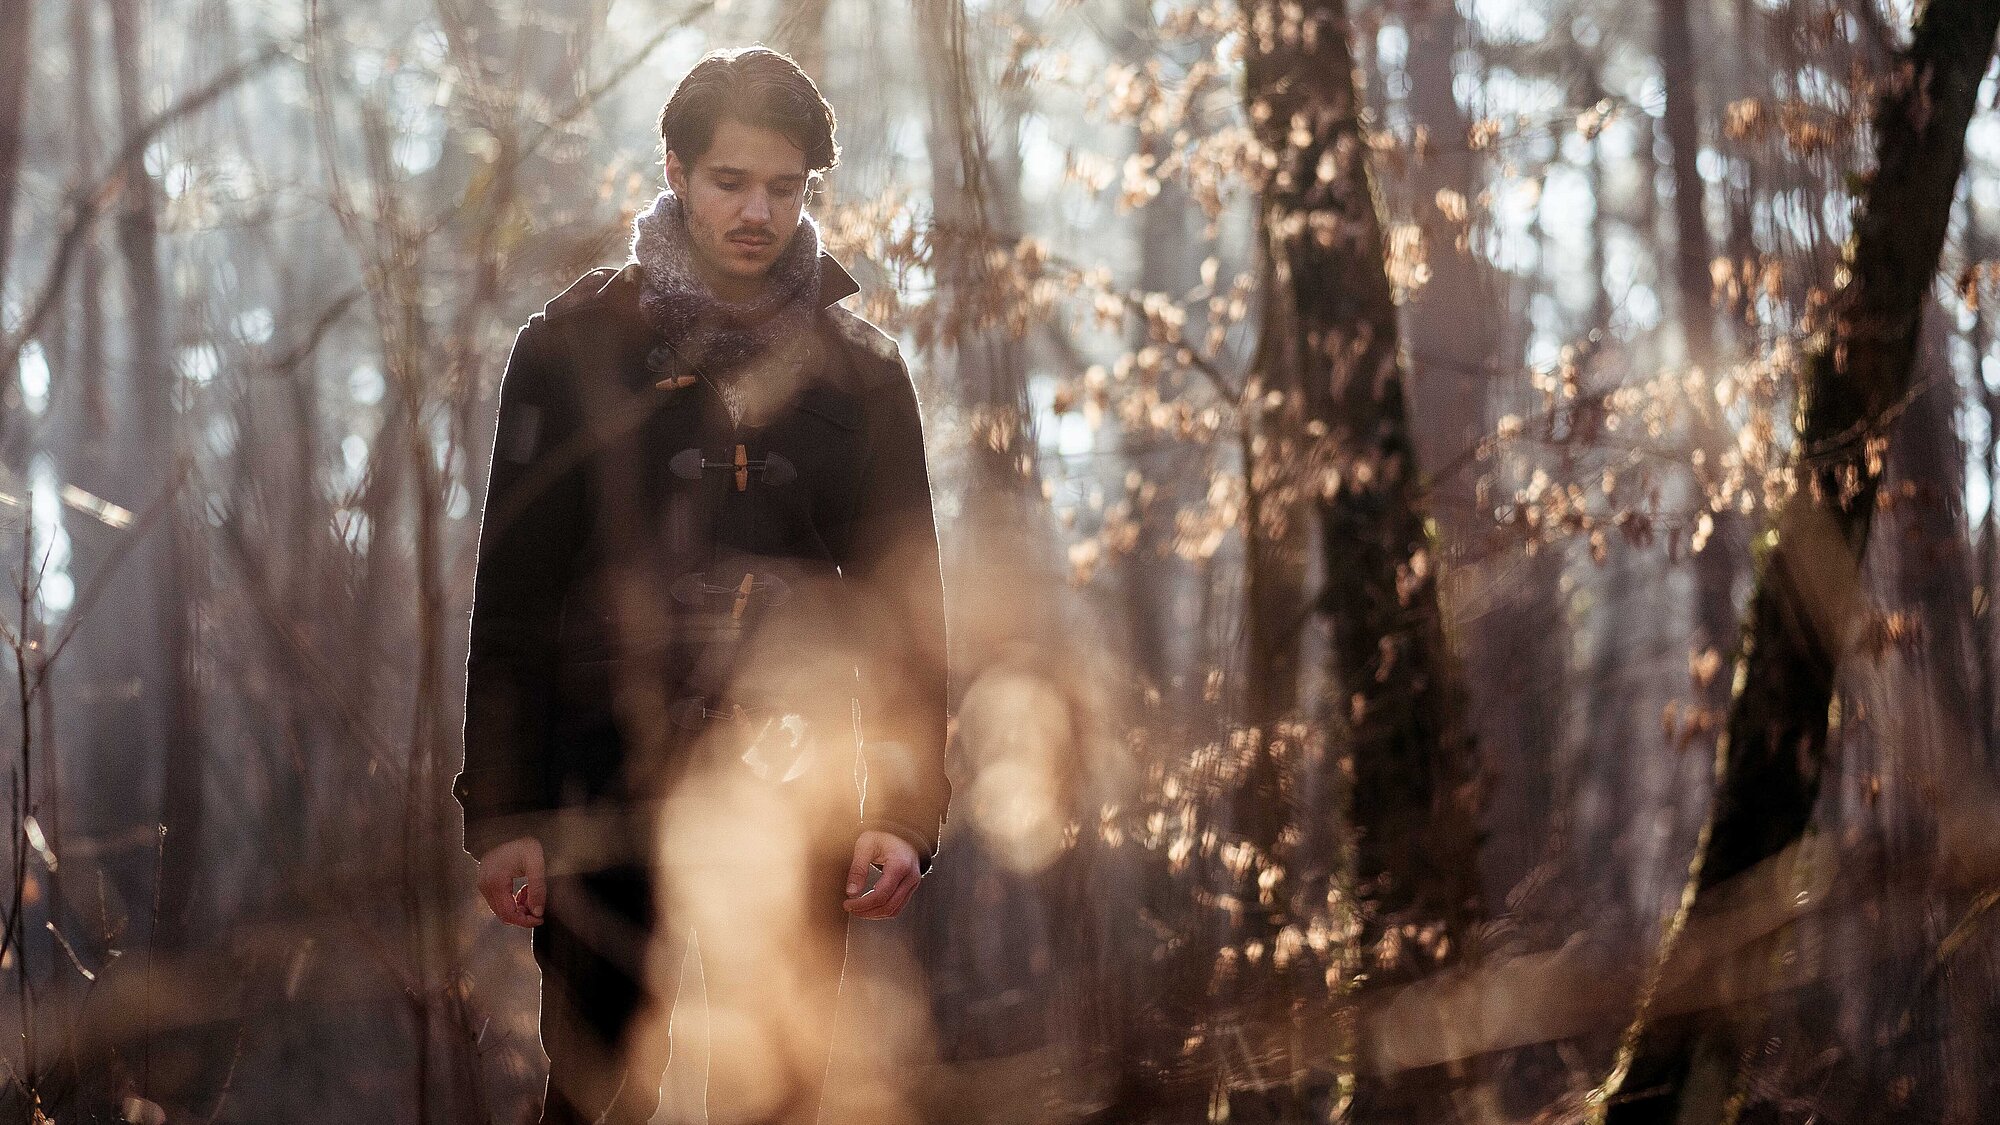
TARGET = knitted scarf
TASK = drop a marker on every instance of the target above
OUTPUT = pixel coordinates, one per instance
(721, 338)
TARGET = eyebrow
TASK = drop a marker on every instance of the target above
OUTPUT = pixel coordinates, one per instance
(728, 170)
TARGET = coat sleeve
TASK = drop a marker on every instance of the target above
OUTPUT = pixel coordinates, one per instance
(890, 562)
(526, 546)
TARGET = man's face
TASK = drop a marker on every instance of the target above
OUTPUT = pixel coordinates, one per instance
(743, 198)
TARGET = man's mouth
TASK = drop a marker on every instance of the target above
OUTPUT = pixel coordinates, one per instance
(749, 241)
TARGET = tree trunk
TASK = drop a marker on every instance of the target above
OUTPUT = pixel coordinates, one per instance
(968, 218)
(1716, 563)
(1978, 246)
(1682, 118)
(16, 22)
(1330, 345)
(88, 302)
(169, 689)
(1515, 649)
(1929, 750)
(1002, 548)
(1338, 333)
(801, 33)
(1806, 600)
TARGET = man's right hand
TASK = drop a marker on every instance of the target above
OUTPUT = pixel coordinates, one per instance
(498, 868)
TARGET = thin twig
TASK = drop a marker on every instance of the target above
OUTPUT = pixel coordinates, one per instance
(92, 202)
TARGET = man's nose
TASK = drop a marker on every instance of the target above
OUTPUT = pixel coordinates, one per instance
(758, 208)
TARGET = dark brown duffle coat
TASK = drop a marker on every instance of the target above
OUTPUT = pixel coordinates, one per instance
(637, 542)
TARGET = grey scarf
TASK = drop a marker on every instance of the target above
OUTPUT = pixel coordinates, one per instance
(721, 338)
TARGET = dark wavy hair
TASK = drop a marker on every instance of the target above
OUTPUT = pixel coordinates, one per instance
(757, 86)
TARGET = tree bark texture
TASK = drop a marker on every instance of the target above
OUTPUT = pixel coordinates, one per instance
(1333, 334)
(1337, 446)
(1806, 601)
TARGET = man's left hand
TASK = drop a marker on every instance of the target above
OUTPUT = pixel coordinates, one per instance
(898, 861)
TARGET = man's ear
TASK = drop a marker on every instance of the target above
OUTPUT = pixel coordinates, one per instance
(676, 175)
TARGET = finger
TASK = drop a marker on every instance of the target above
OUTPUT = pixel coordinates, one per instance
(528, 917)
(885, 883)
(493, 888)
(885, 905)
(870, 905)
(505, 907)
(497, 886)
(903, 895)
(496, 901)
(858, 904)
(857, 872)
(535, 895)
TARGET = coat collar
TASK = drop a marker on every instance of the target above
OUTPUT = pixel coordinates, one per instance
(611, 297)
(610, 300)
(835, 283)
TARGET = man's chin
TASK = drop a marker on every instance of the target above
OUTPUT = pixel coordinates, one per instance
(749, 271)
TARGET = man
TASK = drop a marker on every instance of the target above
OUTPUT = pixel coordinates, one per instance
(705, 687)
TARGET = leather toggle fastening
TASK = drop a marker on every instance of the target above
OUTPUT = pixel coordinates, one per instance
(694, 588)
(657, 360)
(692, 711)
(778, 746)
(772, 468)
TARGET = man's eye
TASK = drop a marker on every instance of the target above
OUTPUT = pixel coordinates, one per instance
(729, 185)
